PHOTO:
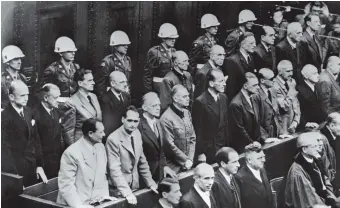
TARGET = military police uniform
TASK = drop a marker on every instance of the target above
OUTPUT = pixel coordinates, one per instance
(280, 30)
(200, 52)
(58, 74)
(159, 63)
(232, 42)
(109, 64)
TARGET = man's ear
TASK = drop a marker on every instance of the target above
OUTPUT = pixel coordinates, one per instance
(211, 83)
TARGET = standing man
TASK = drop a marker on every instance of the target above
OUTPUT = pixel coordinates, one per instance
(265, 53)
(159, 58)
(246, 20)
(49, 129)
(114, 102)
(289, 106)
(328, 89)
(126, 159)
(82, 106)
(20, 143)
(118, 60)
(332, 45)
(82, 177)
(61, 72)
(169, 192)
(210, 117)
(200, 196)
(244, 125)
(178, 130)
(217, 56)
(240, 63)
(178, 75)
(292, 49)
(225, 188)
(153, 137)
(253, 179)
(200, 51)
(12, 58)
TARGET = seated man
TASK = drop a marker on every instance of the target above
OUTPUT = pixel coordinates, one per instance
(126, 159)
(307, 183)
(200, 196)
(82, 177)
(169, 192)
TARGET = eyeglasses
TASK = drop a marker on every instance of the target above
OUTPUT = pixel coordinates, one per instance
(131, 120)
(271, 79)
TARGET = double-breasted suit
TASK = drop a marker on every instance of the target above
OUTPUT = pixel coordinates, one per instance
(264, 58)
(192, 199)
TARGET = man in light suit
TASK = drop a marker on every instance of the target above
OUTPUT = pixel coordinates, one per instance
(82, 177)
(126, 159)
(114, 102)
(289, 107)
(328, 89)
(82, 105)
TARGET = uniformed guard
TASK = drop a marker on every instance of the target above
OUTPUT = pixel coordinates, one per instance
(159, 58)
(11, 57)
(246, 20)
(61, 72)
(279, 23)
(117, 61)
(200, 51)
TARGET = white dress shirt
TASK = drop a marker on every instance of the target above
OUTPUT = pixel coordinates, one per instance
(204, 195)
(118, 95)
(46, 108)
(256, 173)
(213, 94)
(227, 177)
(293, 45)
(247, 97)
(19, 110)
(310, 85)
(151, 122)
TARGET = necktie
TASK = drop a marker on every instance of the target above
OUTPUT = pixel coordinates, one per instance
(155, 129)
(51, 113)
(248, 59)
(269, 95)
(237, 197)
(121, 98)
(132, 144)
(22, 114)
(90, 100)
(286, 85)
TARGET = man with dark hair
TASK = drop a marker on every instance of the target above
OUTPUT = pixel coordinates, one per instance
(169, 192)
(240, 63)
(253, 180)
(49, 129)
(210, 117)
(225, 188)
(82, 177)
(126, 159)
(82, 105)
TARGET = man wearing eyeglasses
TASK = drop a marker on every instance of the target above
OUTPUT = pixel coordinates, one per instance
(126, 159)
(307, 183)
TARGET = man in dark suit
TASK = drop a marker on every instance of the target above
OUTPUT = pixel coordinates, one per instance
(265, 53)
(49, 129)
(153, 137)
(328, 89)
(169, 192)
(253, 180)
(238, 64)
(309, 104)
(200, 195)
(216, 60)
(292, 49)
(244, 126)
(312, 42)
(114, 102)
(20, 144)
(225, 188)
(210, 117)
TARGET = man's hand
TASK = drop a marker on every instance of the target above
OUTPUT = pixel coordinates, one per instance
(312, 125)
(292, 127)
(188, 164)
(170, 172)
(111, 198)
(154, 189)
(41, 173)
(131, 199)
(271, 140)
(202, 158)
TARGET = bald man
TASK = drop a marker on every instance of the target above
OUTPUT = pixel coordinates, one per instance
(307, 183)
(328, 89)
(289, 107)
(217, 56)
(179, 134)
(291, 49)
(114, 102)
(307, 97)
(200, 195)
(20, 144)
(178, 75)
(264, 55)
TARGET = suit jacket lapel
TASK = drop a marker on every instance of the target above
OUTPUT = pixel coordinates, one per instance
(243, 62)
(148, 131)
(199, 198)
(127, 145)
(246, 104)
(86, 104)
(273, 57)
(88, 157)
(335, 83)
(28, 123)
(210, 102)
(312, 43)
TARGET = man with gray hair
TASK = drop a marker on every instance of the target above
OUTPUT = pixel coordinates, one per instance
(178, 75)
(328, 89)
(176, 124)
(307, 183)
(291, 49)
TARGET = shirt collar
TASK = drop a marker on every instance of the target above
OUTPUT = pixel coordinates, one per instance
(200, 192)
(293, 45)
(331, 133)
(245, 55)
(89, 147)
(255, 172)
(212, 64)
(281, 80)
(16, 74)
(150, 121)
(46, 108)
(18, 109)
(310, 32)
(85, 95)
(266, 47)
(310, 85)
(213, 94)
(116, 94)
(165, 48)
(227, 177)
(119, 57)
(177, 111)
(309, 160)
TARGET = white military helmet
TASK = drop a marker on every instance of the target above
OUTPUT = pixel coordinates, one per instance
(64, 44)
(209, 20)
(11, 52)
(167, 30)
(246, 16)
(119, 38)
